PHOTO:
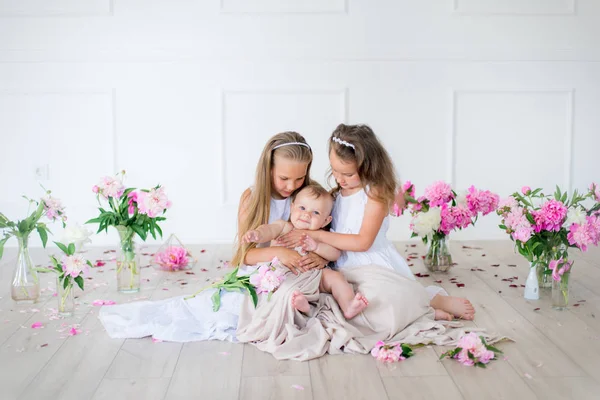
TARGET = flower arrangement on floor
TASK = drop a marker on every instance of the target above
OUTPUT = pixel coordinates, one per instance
(393, 352)
(132, 211)
(266, 279)
(472, 350)
(25, 285)
(173, 256)
(543, 228)
(70, 269)
(440, 211)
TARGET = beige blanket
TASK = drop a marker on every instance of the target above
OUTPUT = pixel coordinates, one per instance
(398, 311)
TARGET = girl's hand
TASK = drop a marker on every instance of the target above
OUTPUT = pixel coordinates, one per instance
(252, 236)
(309, 244)
(293, 238)
(291, 260)
(312, 261)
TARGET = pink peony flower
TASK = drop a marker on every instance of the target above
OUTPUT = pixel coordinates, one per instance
(409, 188)
(109, 187)
(480, 201)
(559, 267)
(525, 190)
(438, 193)
(173, 258)
(153, 203)
(454, 217)
(54, 208)
(550, 216)
(74, 265)
(464, 359)
(582, 235)
(517, 223)
(387, 353)
(505, 206)
(268, 277)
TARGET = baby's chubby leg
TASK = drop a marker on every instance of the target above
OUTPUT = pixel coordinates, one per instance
(335, 283)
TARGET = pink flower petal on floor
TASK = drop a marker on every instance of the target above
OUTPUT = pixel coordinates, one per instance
(103, 303)
(156, 340)
(73, 332)
(54, 294)
(36, 325)
(528, 376)
(224, 353)
(298, 387)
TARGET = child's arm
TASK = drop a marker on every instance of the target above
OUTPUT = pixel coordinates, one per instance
(267, 232)
(375, 212)
(324, 250)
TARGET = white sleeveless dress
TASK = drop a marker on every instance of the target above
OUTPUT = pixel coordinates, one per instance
(348, 213)
(179, 320)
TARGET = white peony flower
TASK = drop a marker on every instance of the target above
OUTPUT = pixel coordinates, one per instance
(575, 215)
(426, 223)
(75, 265)
(76, 234)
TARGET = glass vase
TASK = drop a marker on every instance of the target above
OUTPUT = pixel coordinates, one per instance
(128, 262)
(66, 302)
(25, 286)
(173, 256)
(560, 292)
(438, 258)
(545, 273)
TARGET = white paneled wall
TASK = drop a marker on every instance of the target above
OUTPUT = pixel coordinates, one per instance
(495, 93)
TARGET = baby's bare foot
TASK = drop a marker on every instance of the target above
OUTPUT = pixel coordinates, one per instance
(457, 306)
(443, 315)
(356, 306)
(300, 302)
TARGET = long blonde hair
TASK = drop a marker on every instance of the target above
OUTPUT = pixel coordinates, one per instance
(375, 167)
(259, 203)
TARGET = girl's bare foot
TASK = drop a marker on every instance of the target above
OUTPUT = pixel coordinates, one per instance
(358, 303)
(443, 315)
(457, 306)
(300, 302)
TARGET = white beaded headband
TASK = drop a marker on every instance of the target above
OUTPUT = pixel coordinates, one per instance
(342, 142)
(291, 144)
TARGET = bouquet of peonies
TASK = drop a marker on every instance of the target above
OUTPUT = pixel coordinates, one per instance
(266, 279)
(173, 258)
(472, 350)
(132, 211)
(440, 211)
(71, 268)
(393, 352)
(543, 227)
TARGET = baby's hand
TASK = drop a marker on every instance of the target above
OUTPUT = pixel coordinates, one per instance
(309, 244)
(252, 236)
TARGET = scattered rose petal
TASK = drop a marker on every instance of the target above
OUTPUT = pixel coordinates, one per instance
(203, 251)
(512, 265)
(44, 345)
(505, 358)
(410, 265)
(438, 281)
(165, 288)
(420, 275)
(103, 303)
(100, 263)
(36, 325)
(54, 294)
(537, 309)
(156, 340)
(512, 286)
(189, 273)
(495, 265)
(460, 285)
(298, 387)
(73, 331)
(483, 255)
(528, 376)
(224, 353)
(204, 270)
(576, 304)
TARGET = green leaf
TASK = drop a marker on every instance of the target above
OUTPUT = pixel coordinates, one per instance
(65, 283)
(216, 300)
(492, 348)
(62, 247)
(2, 242)
(94, 220)
(158, 229)
(503, 227)
(43, 235)
(71, 249)
(480, 364)
(137, 229)
(79, 281)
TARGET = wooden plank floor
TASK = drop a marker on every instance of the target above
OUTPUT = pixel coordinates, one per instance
(556, 354)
